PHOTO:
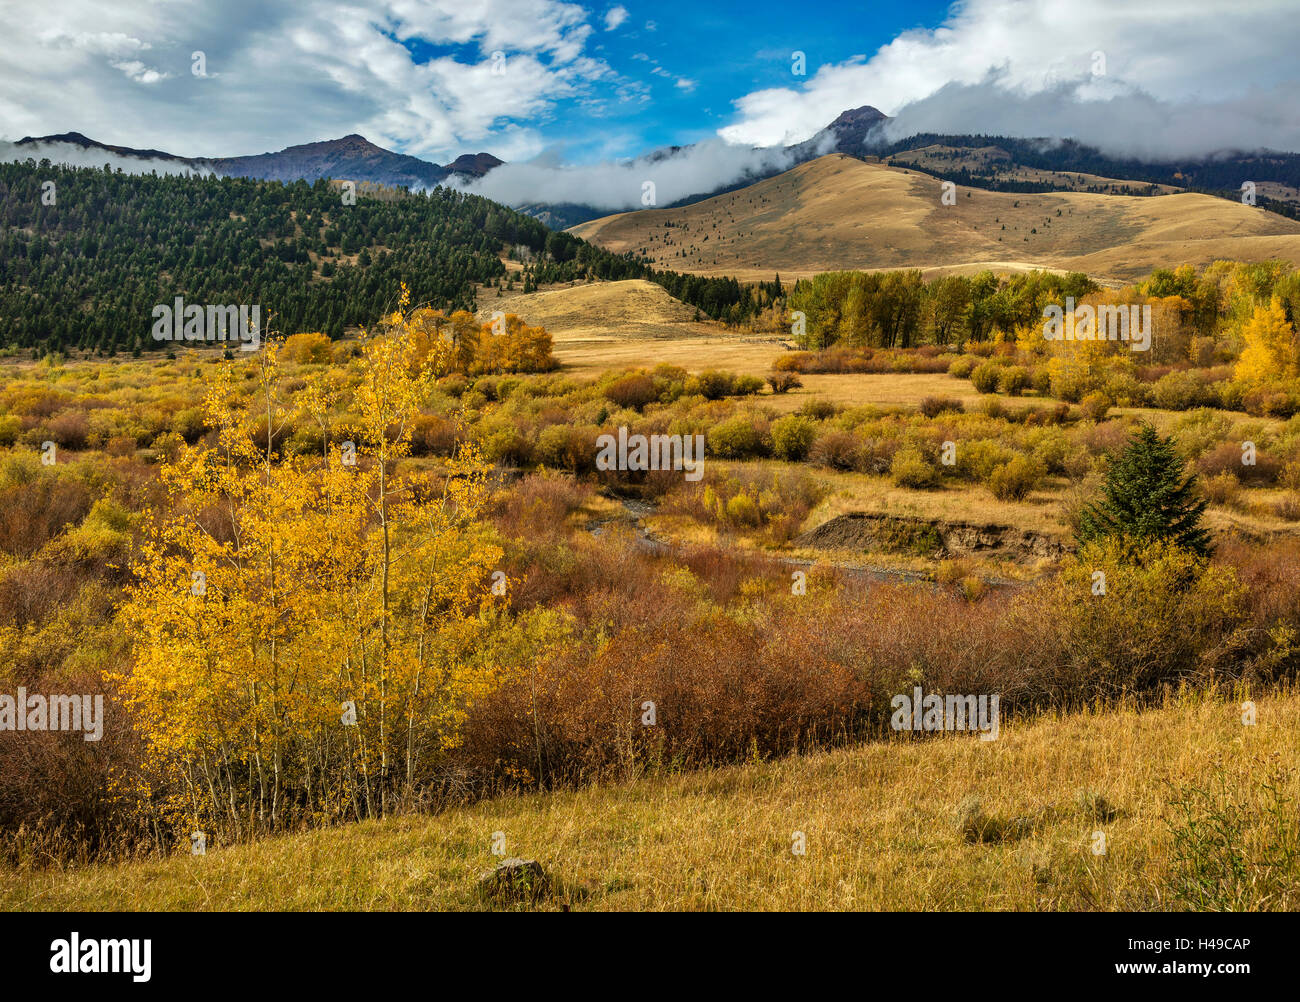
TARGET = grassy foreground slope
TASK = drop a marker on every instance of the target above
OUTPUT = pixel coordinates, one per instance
(883, 825)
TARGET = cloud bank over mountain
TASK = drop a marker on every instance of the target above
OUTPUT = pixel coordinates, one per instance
(1161, 79)
(73, 155)
(619, 186)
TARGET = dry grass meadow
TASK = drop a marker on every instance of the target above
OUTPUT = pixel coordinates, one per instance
(887, 826)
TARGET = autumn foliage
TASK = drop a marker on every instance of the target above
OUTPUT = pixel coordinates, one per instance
(307, 629)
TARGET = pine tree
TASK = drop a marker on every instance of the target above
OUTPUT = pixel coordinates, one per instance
(1146, 497)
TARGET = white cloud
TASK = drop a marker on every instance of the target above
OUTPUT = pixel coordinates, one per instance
(1180, 77)
(75, 156)
(614, 17)
(282, 72)
(139, 72)
(617, 186)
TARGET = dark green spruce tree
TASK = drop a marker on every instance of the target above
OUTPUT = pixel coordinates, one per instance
(1147, 497)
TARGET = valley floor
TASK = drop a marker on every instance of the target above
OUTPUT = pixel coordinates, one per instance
(882, 824)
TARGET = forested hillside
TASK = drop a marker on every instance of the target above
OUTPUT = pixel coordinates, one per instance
(84, 260)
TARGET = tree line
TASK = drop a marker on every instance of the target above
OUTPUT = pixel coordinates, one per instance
(86, 253)
(899, 309)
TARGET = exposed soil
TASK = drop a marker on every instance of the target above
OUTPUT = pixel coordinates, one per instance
(862, 531)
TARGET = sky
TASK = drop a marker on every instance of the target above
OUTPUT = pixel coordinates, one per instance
(570, 94)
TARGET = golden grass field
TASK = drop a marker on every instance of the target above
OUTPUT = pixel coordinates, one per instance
(839, 213)
(600, 326)
(881, 821)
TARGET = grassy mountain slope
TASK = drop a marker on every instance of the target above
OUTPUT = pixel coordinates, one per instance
(837, 212)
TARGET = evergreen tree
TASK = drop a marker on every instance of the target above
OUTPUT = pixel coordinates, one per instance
(1147, 497)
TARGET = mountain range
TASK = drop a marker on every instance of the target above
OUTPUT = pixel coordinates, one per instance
(996, 163)
(352, 158)
(355, 158)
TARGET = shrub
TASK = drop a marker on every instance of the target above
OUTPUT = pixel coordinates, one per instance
(453, 385)
(1199, 431)
(1227, 458)
(977, 459)
(962, 366)
(1068, 380)
(1180, 391)
(710, 384)
(69, 429)
(1222, 488)
(934, 406)
(507, 446)
(985, 377)
(1013, 380)
(1014, 480)
(793, 361)
(911, 469)
(433, 435)
(188, 424)
(10, 427)
(1287, 507)
(817, 409)
(837, 449)
(308, 348)
(1095, 406)
(1290, 476)
(1050, 447)
(1125, 390)
(735, 438)
(746, 386)
(792, 437)
(633, 391)
(783, 382)
(1271, 401)
(743, 510)
(124, 445)
(1163, 618)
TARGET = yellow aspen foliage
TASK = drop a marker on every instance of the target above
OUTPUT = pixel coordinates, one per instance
(309, 632)
(1269, 346)
(1030, 339)
(311, 348)
(510, 345)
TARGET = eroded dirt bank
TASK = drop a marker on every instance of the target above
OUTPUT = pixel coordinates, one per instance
(863, 531)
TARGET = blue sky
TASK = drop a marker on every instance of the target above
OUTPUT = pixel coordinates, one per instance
(695, 58)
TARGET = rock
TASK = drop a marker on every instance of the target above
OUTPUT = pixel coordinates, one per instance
(515, 879)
